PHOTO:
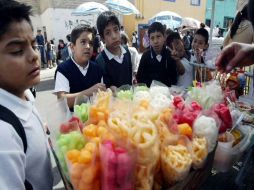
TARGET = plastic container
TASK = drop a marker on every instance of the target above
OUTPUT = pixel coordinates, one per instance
(226, 156)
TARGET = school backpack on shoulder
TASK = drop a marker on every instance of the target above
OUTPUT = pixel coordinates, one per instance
(9, 117)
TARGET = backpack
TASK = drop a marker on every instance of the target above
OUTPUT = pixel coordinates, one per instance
(9, 117)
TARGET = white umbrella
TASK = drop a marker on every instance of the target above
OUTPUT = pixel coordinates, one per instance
(170, 19)
(191, 22)
(123, 7)
(89, 8)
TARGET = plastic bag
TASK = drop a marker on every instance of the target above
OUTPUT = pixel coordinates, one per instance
(144, 135)
(206, 127)
(124, 92)
(69, 140)
(176, 159)
(203, 94)
(81, 108)
(161, 97)
(118, 167)
(56, 115)
(84, 167)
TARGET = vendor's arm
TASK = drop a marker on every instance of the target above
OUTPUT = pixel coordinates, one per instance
(62, 89)
(12, 156)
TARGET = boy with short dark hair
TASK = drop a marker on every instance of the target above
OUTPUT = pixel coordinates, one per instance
(176, 44)
(25, 161)
(115, 60)
(78, 75)
(157, 63)
(199, 47)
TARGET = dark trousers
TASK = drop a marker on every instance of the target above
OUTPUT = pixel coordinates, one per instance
(42, 52)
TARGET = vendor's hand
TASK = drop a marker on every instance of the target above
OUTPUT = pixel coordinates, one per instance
(95, 88)
(235, 55)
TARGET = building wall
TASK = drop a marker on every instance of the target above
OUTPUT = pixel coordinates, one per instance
(63, 23)
(55, 16)
(149, 8)
(225, 8)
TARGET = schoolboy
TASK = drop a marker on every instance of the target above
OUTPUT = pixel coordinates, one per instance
(20, 70)
(175, 43)
(199, 47)
(78, 75)
(115, 60)
(157, 63)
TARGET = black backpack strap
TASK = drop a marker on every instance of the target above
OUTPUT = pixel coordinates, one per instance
(9, 117)
(28, 185)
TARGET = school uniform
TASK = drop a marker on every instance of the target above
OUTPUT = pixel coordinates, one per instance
(186, 79)
(161, 68)
(73, 78)
(15, 165)
(117, 70)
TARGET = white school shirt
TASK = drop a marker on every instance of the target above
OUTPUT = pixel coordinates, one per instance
(62, 83)
(135, 58)
(186, 79)
(119, 59)
(15, 165)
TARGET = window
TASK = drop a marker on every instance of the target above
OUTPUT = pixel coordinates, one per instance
(208, 22)
(227, 22)
(195, 2)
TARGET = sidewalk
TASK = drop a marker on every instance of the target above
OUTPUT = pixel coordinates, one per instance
(47, 74)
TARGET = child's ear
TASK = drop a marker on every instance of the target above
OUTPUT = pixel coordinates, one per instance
(72, 47)
(207, 46)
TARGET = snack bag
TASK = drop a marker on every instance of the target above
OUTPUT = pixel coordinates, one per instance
(203, 95)
(207, 127)
(176, 159)
(124, 92)
(199, 152)
(81, 108)
(118, 167)
(144, 136)
(68, 141)
(84, 167)
(223, 113)
(161, 97)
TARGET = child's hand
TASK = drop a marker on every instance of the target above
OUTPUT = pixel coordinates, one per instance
(174, 55)
(95, 88)
(198, 54)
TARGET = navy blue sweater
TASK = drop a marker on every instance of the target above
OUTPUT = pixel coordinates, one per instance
(77, 80)
(151, 69)
(114, 73)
